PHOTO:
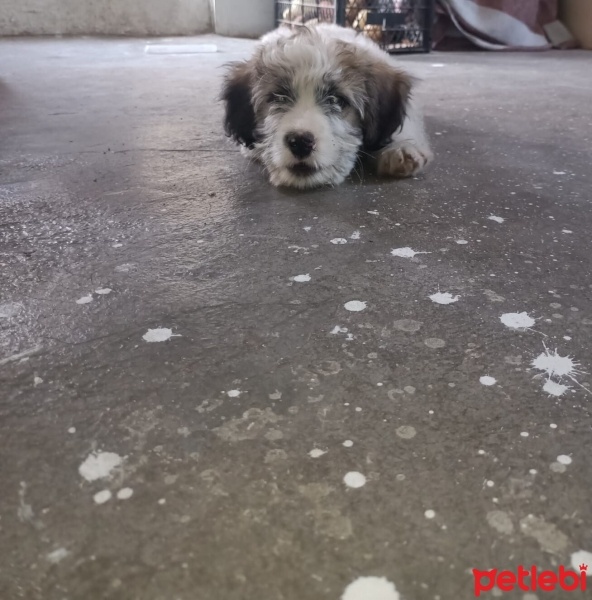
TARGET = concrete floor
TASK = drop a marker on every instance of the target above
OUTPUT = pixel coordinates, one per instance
(115, 174)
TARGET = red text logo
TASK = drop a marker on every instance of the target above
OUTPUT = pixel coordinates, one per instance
(530, 580)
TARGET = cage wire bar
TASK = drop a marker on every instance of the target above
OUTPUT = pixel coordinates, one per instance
(397, 26)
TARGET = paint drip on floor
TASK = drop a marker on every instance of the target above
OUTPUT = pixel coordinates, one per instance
(555, 366)
(582, 557)
(517, 320)
(354, 479)
(406, 252)
(102, 496)
(316, 453)
(355, 305)
(161, 334)
(443, 298)
(98, 465)
(371, 588)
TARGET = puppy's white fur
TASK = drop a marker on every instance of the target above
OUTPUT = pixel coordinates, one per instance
(335, 86)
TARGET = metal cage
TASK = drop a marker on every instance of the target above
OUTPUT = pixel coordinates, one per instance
(397, 26)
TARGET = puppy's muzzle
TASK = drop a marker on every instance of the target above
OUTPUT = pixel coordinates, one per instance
(301, 144)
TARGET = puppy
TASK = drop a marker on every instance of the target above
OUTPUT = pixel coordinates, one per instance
(310, 100)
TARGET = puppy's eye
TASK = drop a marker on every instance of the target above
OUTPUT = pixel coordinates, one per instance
(279, 99)
(337, 101)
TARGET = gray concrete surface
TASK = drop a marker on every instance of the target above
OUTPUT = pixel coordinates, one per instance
(105, 17)
(114, 173)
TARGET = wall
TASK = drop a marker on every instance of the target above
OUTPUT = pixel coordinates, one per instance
(106, 17)
(244, 18)
(576, 15)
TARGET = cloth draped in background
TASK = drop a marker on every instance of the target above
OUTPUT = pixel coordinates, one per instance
(498, 24)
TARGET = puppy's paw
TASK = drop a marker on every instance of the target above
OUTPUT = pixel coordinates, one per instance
(402, 161)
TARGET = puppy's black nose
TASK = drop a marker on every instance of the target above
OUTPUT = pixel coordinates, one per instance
(301, 144)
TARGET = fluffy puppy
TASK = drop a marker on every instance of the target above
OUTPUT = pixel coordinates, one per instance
(310, 100)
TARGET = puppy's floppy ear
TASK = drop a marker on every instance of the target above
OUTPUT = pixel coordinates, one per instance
(239, 120)
(387, 93)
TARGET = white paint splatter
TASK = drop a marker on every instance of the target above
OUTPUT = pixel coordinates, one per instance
(354, 305)
(161, 334)
(307, 229)
(489, 483)
(338, 241)
(355, 235)
(98, 465)
(554, 365)
(553, 425)
(443, 298)
(316, 453)
(337, 329)
(371, 588)
(102, 496)
(524, 433)
(406, 432)
(438, 65)
(582, 557)
(162, 501)
(125, 493)
(406, 252)
(57, 555)
(234, 393)
(434, 343)
(496, 219)
(277, 395)
(354, 479)
(372, 212)
(407, 325)
(9, 310)
(348, 443)
(517, 320)
(125, 268)
(564, 459)
(72, 430)
(487, 380)
(301, 278)
(116, 245)
(37, 381)
(558, 172)
(566, 231)
(555, 389)
(462, 242)
(429, 514)
(84, 299)
(103, 291)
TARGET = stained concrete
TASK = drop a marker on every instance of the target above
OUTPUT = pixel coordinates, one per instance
(115, 174)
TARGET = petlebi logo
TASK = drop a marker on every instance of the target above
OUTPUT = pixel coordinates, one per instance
(531, 580)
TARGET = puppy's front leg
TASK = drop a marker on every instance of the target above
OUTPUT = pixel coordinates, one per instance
(409, 151)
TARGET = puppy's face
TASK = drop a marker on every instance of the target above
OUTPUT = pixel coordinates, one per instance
(306, 105)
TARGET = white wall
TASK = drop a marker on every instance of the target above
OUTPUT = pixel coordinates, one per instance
(106, 17)
(244, 18)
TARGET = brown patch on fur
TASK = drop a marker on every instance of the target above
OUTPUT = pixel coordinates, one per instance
(388, 90)
(379, 90)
